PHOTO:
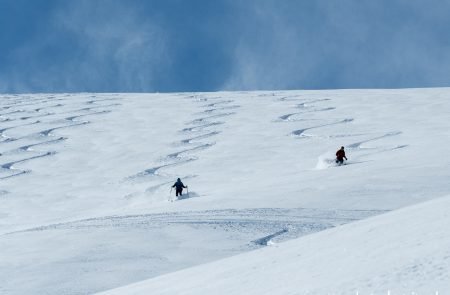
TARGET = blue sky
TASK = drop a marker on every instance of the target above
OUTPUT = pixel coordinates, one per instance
(209, 45)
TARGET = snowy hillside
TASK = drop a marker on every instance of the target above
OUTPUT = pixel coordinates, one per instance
(85, 181)
(402, 252)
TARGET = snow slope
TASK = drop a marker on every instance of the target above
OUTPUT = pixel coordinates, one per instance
(401, 252)
(85, 178)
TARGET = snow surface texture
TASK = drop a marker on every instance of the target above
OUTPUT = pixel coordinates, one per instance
(411, 257)
(85, 201)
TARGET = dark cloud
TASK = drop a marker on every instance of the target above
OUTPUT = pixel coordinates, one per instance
(201, 45)
(343, 44)
(90, 46)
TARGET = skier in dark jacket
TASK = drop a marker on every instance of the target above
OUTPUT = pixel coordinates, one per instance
(340, 156)
(179, 187)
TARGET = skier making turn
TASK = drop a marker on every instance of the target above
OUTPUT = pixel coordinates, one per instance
(340, 156)
(179, 187)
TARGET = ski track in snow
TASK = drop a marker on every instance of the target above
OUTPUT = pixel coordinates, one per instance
(196, 148)
(213, 110)
(203, 136)
(53, 113)
(206, 123)
(201, 127)
(327, 160)
(357, 145)
(301, 132)
(271, 224)
(292, 117)
(265, 241)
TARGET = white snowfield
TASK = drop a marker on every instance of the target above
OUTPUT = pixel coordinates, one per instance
(401, 252)
(86, 203)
